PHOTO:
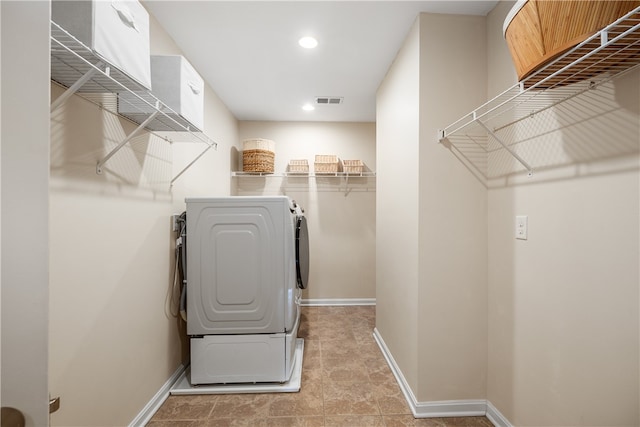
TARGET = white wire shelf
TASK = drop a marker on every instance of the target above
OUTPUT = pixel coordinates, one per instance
(303, 175)
(352, 181)
(83, 72)
(498, 138)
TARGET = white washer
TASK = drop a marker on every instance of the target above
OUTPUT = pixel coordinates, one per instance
(243, 287)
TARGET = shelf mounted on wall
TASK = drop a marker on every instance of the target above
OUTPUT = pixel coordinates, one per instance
(502, 127)
(330, 175)
(77, 68)
(303, 175)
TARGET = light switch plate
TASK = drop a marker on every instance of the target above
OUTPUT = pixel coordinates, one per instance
(522, 229)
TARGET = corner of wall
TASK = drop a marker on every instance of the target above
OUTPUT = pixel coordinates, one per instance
(397, 212)
(453, 215)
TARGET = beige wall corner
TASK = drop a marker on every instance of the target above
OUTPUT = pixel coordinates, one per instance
(397, 207)
(453, 215)
(340, 213)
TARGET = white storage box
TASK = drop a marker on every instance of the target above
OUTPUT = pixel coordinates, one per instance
(117, 31)
(176, 84)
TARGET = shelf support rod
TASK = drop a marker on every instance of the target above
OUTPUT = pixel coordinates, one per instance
(346, 185)
(604, 37)
(506, 147)
(127, 139)
(73, 89)
(191, 163)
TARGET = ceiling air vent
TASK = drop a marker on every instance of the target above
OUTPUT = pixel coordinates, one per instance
(329, 100)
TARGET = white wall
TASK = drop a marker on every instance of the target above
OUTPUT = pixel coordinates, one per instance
(0, 205)
(432, 217)
(114, 337)
(452, 319)
(397, 207)
(563, 305)
(546, 329)
(25, 227)
(341, 219)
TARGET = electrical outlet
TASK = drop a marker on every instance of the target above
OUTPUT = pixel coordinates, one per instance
(522, 228)
(174, 222)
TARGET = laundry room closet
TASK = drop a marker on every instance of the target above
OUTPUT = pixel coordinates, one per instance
(534, 325)
(112, 244)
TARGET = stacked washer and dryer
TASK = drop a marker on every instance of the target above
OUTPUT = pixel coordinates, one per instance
(247, 259)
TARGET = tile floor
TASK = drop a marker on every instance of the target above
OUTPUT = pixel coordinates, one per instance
(345, 382)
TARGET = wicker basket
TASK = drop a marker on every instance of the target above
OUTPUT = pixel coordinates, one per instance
(299, 166)
(326, 163)
(538, 31)
(352, 166)
(258, 155)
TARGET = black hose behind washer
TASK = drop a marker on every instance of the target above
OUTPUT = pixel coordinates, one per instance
(182, 263)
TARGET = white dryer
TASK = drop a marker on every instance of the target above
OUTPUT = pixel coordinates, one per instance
(247, 259)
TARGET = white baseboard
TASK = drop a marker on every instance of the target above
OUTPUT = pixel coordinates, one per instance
(448, 408)
(451, 408)
(324, 302)
(445, 408)
(496, 417)
(156, 401)
(402, 382)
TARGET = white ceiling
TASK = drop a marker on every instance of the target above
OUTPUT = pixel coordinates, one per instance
(248, 51)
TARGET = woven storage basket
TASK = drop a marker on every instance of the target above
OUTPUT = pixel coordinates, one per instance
(299, 166)
(538, 31)
(258, 155)
(352, 166)
(326, 163)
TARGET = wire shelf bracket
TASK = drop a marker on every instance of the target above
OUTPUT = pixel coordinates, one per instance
(81, 71)
(124, 142)
(506, 147)
(610, 52)
(192, 162)
(74, 88)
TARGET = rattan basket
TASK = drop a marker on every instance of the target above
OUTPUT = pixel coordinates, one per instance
(258, 155)
(538, 31)
(326, 163)
(352, 166)
(299, 166)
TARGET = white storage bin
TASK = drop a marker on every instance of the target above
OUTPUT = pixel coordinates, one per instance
(176, 84)
(117, 31)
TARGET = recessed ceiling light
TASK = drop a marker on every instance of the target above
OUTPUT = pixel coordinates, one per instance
(308, 42)
(308, 107)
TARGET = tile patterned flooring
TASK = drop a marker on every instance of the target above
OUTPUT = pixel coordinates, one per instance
(345, 382)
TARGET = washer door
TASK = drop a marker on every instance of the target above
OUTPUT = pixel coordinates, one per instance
(302, 252)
